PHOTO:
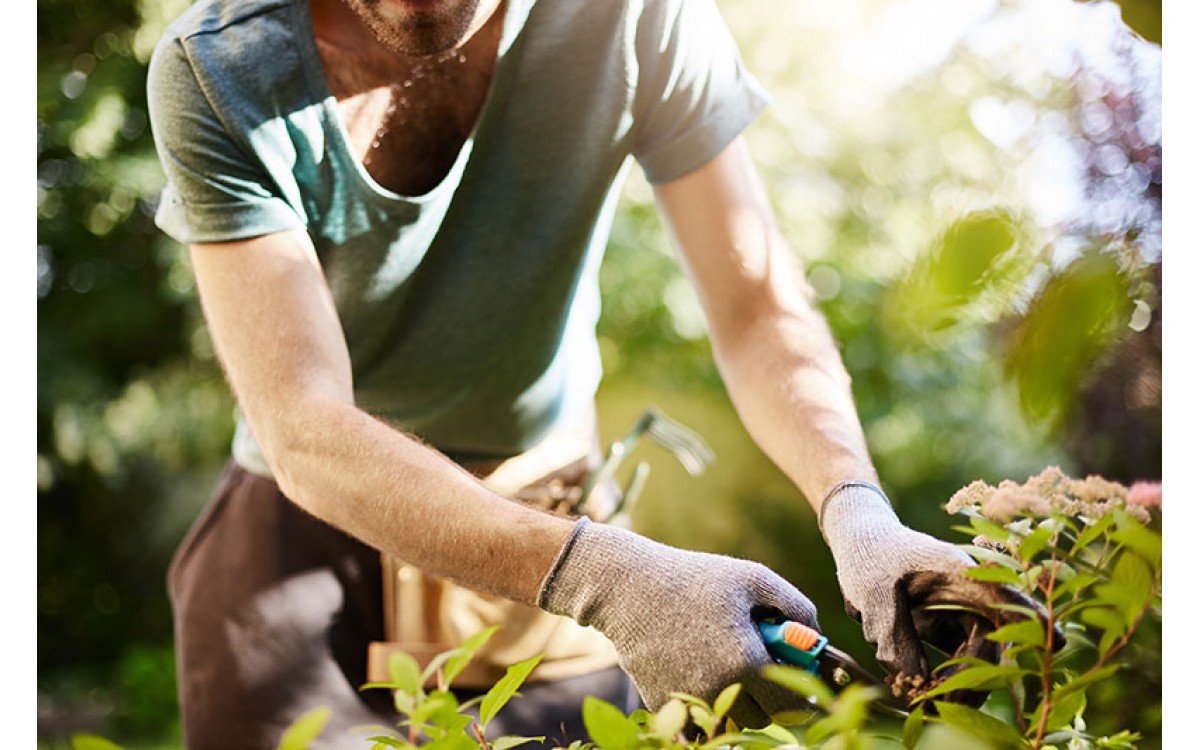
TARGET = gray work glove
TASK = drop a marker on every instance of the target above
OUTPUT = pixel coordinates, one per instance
(889, 572)
(681, 621)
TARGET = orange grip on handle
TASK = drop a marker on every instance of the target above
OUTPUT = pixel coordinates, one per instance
(799, 635)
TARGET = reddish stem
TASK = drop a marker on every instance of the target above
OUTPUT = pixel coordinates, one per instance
(1048, 658)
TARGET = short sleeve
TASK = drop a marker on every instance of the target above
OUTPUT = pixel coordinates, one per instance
(694, 93)
(217, 190)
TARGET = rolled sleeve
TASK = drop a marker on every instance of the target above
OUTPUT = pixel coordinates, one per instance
(695, 95)
(217, 189)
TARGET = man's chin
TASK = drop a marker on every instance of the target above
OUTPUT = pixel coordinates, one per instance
(417, 28)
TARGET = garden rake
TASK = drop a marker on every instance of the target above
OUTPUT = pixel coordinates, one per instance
(687, 446)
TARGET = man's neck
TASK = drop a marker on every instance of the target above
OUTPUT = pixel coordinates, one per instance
(336, 26)
(407, 117)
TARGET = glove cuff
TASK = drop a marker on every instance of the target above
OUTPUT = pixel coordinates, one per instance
(547, 589)
(854, 512)
(849, 487)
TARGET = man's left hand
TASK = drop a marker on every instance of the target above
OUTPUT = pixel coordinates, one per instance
(888, 573)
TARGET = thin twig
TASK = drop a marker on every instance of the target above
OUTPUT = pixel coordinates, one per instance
(1047, 659)
(478, 732)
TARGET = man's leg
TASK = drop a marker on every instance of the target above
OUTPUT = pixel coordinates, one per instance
(273, 613)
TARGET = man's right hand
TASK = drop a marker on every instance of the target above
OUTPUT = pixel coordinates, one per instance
(681, 621)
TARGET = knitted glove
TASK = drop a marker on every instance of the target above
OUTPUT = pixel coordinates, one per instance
(681, 621)
(888, 573)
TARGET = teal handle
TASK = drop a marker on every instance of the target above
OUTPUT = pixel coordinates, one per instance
(786, 653)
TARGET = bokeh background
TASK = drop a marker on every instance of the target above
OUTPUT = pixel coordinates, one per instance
(975, 188)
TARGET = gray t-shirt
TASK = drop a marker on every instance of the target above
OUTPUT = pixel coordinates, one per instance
(469, 311)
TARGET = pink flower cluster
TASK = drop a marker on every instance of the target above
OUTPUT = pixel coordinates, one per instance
(1145, 494)
(1054, 493)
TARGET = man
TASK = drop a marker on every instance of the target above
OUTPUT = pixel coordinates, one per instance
(395, 211)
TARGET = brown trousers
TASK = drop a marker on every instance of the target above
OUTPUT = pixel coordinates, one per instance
(274, 610)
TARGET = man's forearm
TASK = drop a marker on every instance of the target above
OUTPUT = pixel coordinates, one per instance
(397, 495)
(787, 381)
(291, 374)
(773, 347)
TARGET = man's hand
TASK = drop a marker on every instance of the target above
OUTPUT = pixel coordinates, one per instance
(889, 572)
(681, 621)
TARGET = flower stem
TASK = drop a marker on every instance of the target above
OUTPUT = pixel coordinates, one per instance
(1047, 660)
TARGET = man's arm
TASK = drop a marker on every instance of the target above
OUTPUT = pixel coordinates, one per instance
(792, 392)
(774, 350)
(273, 322)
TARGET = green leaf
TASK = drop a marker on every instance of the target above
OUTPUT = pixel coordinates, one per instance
(405, 673)
(438, 708)
(985, 528)
(451, 723)
(1031, 577)
(995, 574)
(92, 742)
(1030, 632)
(437, 663)
(968, 262)
(956, 608)
(1108, 620)
(1083, 682)
(459, 741)
(971, 660)
(464, 652)
(978, 724)
(505, 689)
(726, 699)
(1141, 540)
(607, 726)
(741, 740)
(914, 724)
(641, 716)
(1034, 543)
(1017, 608)
(1064, 708)
(800, 681)
(703, 718)
(669, 719)
(983, 554)
(1123, 740)
(847, 713)
(382, 740)
(506, 743)
(1092, 533)
(1130, 589)
(1075, 583)
(1068, 324)
(979, 678)
(774, 734)
(305, 729)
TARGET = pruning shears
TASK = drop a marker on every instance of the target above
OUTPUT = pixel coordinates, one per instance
(796, 644)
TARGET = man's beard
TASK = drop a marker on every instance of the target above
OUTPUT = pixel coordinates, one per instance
(416, 33)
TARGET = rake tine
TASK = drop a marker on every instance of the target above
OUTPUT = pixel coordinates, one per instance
(687, 446)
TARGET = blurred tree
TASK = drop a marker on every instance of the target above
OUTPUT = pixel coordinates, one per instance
(132, 413)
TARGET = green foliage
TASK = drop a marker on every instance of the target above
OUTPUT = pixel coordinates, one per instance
(92, 742)
(133, 418)
(1094, 564)
(304, 730)
(1074, 318)
(876, 180)
(972, 269)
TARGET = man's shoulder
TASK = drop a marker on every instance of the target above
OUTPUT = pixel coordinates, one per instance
(206, 18)
(241, 58)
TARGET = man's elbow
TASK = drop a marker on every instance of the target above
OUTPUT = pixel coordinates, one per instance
(297, 438)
